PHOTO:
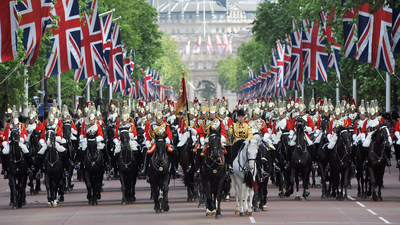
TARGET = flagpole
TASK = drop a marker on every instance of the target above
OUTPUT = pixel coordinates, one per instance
(387, 93)
(26, 93)
(354, 90)
(59, 90)
(106, 13)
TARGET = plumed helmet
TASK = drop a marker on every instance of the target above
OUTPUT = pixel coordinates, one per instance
(65, 112)
(301, 106)
(338, 110)
(15, 115)
(362, 109)
(312, 105)
(282, 107)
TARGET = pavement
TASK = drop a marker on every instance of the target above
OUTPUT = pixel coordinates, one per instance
(75, 208)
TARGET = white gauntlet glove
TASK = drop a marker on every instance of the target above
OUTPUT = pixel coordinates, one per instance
(99, 139)
(266, 137)
(202, 142)
(167, 141)
(41, 142)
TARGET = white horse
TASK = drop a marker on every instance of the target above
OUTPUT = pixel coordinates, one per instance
(244, 176)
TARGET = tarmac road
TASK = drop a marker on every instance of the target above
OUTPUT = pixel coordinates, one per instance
(75, 209)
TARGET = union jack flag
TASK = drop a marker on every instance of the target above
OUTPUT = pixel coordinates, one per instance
(296, 59)
(280, 63)
(374, 38)
(106, 34)
(286, 76)
(92, 46)
(66, 43)
(116, 70)
(132, 61)
(35, 16)
(350, 36)
(8, 30)
(395, 29)
(274, 71)
(265, 74)
(335, 56)
(314, 55)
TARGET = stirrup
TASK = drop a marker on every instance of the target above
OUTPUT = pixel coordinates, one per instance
(389, 164)
(328, 169)
(314, 166)
(29, 172)
(276, 169)
(398, 165)
(78, 166)
(111, 173)
(66, 174)
(189, 169)
(227, 176)
(39, 175)
(264, 174)
(231, 171)
(197, 174)
(287, 167)
(5, 175)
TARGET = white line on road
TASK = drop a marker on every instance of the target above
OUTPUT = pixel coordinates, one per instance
(252, 220)
(349, 197)
(359, 203)
(383, 219)
(372, 212)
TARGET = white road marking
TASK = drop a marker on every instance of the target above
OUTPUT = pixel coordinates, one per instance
(372, 212)
(383, 219)
(252, 220)
(349, 197)
(359, 203)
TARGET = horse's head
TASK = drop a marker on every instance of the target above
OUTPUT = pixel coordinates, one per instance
(161, 149)
(300, 124)
(382, 136)
(51, 137)
(214, 142)
(124, 136)
(344, 136)
(67, 130)
(251, 153)
(91, 141)
(110, 130)
(14, 135)
(325, 124)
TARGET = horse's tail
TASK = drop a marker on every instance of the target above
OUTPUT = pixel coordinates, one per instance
(248, 180)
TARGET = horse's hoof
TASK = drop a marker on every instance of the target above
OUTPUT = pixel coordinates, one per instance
(201, 205)
(256, 209)
(68, 191)
(196, 199)
(242, 214)
(333, 194)
(363, 196)
(313, 186)
(10, 204)
(158, 210)
(14, 207)
(264, 208)
(369, 193)
(166, 208)
(358, 195)
(237, 212)
(208, 214)
(339, 198)
(61, 198)
(379, 199)
(32, 192)
(318, 185)
(323, 196)
(287, 194)
(90, 202)
(49, 204)
(218, 216)
(123, 203)
(248, 213)
(345, 199)
(95, 203)
(297, 198)
(307, 193)
(55, 205)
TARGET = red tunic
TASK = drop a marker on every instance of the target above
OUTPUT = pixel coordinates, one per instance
(22, 129)
(84, 130)
(200, 130)
(149, 130)
(58, 130)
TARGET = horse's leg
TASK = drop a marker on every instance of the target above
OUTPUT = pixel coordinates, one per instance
(306, 178)
(88, 186)
(346, 183)
(207, 190)
(289, 191)
(279, 180)
(380, 183)
(155, 191)
(373, 183)
(31, 185)
(296, 180)
(313, 185)
(123, 188)
(13, 190)
(23, 183)
(37, 188)
(165, 194)
(218, 196)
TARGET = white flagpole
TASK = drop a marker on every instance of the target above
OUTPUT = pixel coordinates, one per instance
(387, 92)
(59, 101)
(337, 92)
(26, 93)
(110, 90)
(355, 90)
(106, 13)
(88, 93)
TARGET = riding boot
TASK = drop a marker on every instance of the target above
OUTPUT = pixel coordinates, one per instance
(288, 158)
(65, 163)
(39, 174)
(313, 153)
(198, 162)
(145, 162)
(106, 161)
(397, 154)
(364, 156)
(327, 158)
(174, 155)
(275, 161)
(4, 170)
(259, 167)
(28, 159)
(388, 156)
(229, 160)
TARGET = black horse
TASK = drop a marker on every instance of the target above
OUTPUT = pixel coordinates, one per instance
(34, 148)
(212, 176)
(110, 148)
(300, 162)
(17, 172)
(262, 182)
(187, 161)
(93, 163)
(282, 151)
(53, 169)
(340, 162)
(127, 167)
(321, 158)
(70, 153)
(159, 175)
(377, 160)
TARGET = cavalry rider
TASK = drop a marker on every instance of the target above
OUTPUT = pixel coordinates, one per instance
(52, 123)
(259, 128)
(242, 133)
(79, 118)
(89, 125)
(173, 122)
(396, 131)
(269, 114)
(33, 123)
(66, 119)
(154, 129)
(187, 129)
(324, 117)
(15, 124)
(125, 122)
(338, 121)
(279, 126)
(309, 128)
(141, 122)
(211, 125)
(369, 129)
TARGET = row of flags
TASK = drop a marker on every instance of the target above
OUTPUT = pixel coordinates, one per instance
(304, 55)
(91, 46)
(224, 47)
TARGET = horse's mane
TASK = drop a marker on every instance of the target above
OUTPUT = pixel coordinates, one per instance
(253, 143)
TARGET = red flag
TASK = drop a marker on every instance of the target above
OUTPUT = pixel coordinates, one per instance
(8, 30)
(182, 97)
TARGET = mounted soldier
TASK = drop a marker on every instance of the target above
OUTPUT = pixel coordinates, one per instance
(125, 122)
(53, 124)
(15, 124)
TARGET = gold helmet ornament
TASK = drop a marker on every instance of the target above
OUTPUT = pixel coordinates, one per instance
(330, 105)
(204, 108)
(92, 112)
(376, 106)
(15, 115)
(159, 114)
(353, 104)
(98, 111)
(270, 103)
(362, 109)
(112, 106)
(257, 111)
(325, 106)
(301, 105)
(367, 108)
(312, 105)
(297, 104)
(338, 110)
(51, 116)
(372, 109)
(78, 110)
(65, 113)
(289, 103)
(32, 112)
(86, 109)
(281, 107)
(125, 111)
